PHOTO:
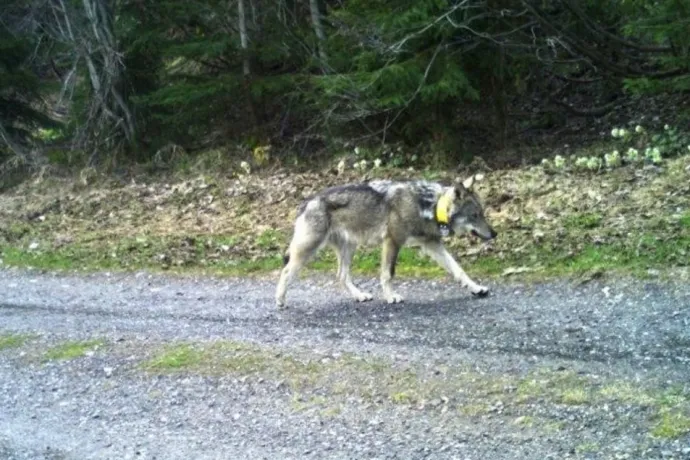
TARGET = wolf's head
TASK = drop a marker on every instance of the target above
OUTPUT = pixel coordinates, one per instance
(465, 212)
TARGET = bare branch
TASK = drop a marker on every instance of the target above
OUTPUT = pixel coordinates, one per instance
(414, 95)
(318, 30)
(596, 57)
(398, 46)
(595, 112)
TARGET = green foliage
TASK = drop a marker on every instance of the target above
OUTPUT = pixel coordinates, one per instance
(19, 92)
(412, 80)
(410, 71)
(665, 24)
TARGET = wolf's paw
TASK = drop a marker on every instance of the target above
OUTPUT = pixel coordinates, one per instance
(394, 298)
(280, 304)
(479, 291)
(363, 296)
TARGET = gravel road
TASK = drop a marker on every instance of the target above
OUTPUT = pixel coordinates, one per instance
(534, 371)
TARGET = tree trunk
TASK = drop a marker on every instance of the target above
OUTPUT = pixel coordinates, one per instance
(318, 31)
(500, 103)
(244, 39)
(109, 109)
(246, 67)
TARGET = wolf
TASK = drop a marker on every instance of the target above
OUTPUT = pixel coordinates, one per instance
(390, 213)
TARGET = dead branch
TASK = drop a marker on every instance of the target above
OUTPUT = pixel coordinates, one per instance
(594, 112)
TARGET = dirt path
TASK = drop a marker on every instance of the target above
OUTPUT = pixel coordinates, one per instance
(208, 369)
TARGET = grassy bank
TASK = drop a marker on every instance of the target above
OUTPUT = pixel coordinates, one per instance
(633, 220)
(644, 256)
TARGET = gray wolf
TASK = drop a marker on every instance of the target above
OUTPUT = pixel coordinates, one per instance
(391, 213)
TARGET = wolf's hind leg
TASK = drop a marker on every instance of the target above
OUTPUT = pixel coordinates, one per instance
(345, 251)
(303, 246)
(389, 257)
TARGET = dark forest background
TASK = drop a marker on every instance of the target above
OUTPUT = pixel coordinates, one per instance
(93, 82)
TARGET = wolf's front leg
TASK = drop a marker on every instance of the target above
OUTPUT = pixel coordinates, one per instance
(441, 255)
(389, 257)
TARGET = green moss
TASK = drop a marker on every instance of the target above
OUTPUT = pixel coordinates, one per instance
(182, 356)
(626, 393)
(575, 397)
(587, 448)
(72, 350)
(8, 341)
(583, 221)
(671, 425)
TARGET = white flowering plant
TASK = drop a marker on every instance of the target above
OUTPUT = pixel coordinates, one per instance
(632, 155)
(613, 159)
(670, 141)
(360, 165)
(633, 146)
(655, 144)
(653, 155)
(593, 163)
(581, 163)
(382, 157)
(620, 133)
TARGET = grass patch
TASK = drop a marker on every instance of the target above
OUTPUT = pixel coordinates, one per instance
(587, 448)
(8, 341)
(626, 393)
(560, 387)
(214, 254)
(575, 397)
(583, 221)
(229, 357)
(474, 409)
(672, 425)
(271, 240)
(183, 356)
(685, 220)
(72, 350)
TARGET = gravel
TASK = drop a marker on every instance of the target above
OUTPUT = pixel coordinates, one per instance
(103, 405)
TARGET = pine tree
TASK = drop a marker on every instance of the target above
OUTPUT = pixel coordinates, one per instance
(21, 113)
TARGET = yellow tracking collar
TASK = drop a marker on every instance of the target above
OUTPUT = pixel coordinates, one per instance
(442, 208)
